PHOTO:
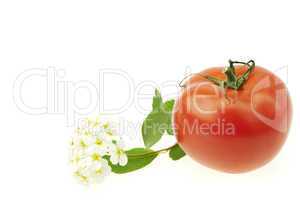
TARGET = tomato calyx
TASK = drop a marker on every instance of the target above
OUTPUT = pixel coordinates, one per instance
(233, 81)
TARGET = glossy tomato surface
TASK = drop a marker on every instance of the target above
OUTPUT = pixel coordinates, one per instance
(233, 130)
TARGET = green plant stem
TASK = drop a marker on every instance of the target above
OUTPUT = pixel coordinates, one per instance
(151, 153)
(233, 81)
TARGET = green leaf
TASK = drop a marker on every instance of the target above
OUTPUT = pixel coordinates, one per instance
(176, 152)
(152, 129)
(157, 101)
(158, 120)
(168, 107)
(137, 159)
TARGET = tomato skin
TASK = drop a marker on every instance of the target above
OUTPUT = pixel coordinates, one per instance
(236, 133)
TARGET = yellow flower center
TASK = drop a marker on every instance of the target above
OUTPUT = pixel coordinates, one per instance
(99, 171)
(119, 152)
(98, 142)
(82, 144)
(83, 178)
(106, 125)
(96, 157)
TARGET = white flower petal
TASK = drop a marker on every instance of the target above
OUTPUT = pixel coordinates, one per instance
(123, 159)
(92, 140)
(114, 159)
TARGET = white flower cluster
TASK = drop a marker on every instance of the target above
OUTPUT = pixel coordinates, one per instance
(93, 142)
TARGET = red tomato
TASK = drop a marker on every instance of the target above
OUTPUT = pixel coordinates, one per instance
(234, 130)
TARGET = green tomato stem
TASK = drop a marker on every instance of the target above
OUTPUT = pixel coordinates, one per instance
(233, 81)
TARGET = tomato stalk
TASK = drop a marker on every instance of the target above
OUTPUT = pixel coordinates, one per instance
(233, 81)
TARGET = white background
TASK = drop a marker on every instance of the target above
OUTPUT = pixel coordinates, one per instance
(153, 41)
